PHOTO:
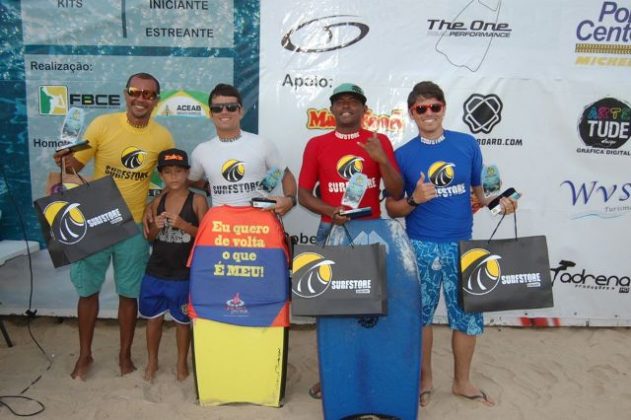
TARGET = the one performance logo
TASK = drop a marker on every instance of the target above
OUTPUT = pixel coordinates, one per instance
(233, 170)
(133, 157)
(314, 274)
(349, 165)
(325, 34)
(441, 173)
(481, 270)
(67, 222)
(482, 113)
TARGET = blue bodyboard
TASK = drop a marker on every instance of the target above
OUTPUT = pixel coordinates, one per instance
(371, 365)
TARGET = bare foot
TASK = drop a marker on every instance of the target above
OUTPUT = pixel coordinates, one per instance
(126, 365)
(81, 368)
(425, 397)
(182, 372)
(150, 371)
(471, 392)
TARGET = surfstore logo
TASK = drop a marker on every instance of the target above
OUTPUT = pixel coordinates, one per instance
(605, 125)
(132, 157)
(323, 34)
(314, 274)
(349, 165)
(233, 170)
(53, 100)
(482, 113)
(68, 224)
(441, 173)
(481, 270)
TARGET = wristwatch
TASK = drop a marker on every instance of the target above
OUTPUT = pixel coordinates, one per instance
(411, 202)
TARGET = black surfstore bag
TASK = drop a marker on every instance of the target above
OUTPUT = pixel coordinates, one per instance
(84, 220)
(505, 274)
(339, 280)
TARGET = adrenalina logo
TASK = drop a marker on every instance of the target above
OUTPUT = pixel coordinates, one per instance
(313, 273)
(233, 170)
(67, 222)
(132, 157)
(584, 280)
(323, 34)
(441, 173)
(482, 271)
(605, 124)
(482, 112)
(595, 199)
(349, 165)
(53, 100)
(603, 40)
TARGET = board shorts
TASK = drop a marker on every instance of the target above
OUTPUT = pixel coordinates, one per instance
(159, 296)
(438, 265)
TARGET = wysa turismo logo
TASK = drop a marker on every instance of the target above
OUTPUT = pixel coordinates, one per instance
(603, 38)
(313, 273)
(53, 100)
(481, 270)
(133, 157)
(598, 199)
(349, 165)
(233, 170)
(583, 279)
(482, 113)
(324, 34)
(441, 173)
(605, 126)
(67, 223)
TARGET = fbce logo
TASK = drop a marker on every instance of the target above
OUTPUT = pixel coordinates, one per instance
(67, 222)
(481, 270)
(482, 113)
(323, 34)
(349, 165)
(313, 273)
(132, 157)
(233, 170)
(441, 173)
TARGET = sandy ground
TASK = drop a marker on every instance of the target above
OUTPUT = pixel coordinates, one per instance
(562, 373)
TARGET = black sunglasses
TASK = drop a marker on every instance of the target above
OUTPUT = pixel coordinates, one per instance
(216, 109)
(137, 93)
(422, 109)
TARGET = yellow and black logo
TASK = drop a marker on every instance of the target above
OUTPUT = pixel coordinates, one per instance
(441, 173)
(481, 270)
(349, 165)
(67, 223)
(313, 273)
(233, 170)
(132, 157)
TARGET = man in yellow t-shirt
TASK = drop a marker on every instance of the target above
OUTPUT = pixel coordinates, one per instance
(125, 146)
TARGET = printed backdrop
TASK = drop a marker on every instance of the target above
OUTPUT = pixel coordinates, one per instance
(543, 86)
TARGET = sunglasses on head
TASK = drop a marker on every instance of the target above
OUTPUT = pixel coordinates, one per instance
(422, 109)
(137, 93)
(216, 109)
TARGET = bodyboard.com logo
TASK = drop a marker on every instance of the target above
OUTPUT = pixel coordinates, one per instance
(349, 165)
(53, 100)
(482, 112)
(132, 157)
(441, 173)
(67, 222)
(233, 170)
(605, 125)
(313, 273)
(481, 270)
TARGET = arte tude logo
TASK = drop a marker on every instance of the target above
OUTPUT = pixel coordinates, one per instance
(313, 273)
(233, 170)
(482, 112)
(349, 165)
(324, 34)
(585, 280)
(605, 126)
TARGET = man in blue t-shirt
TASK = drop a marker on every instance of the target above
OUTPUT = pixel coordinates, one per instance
(440, 170)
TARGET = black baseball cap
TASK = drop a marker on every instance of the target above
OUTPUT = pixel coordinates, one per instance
(173, 157)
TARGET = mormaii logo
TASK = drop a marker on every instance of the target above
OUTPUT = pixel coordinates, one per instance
(323, 34)
(605, 125)
(313, 274)
(482, 112)
(481, 271)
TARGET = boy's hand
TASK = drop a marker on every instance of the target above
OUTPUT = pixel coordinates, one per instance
(174, 220)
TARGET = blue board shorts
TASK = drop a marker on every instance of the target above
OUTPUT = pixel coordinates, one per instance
(438, 264)
(129, 259)
(159, 296)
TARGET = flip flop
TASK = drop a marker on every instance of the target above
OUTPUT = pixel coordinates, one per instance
(425, 397)
(315, 394)
(482, 397)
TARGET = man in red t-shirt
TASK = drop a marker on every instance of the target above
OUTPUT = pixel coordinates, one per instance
(331, 159)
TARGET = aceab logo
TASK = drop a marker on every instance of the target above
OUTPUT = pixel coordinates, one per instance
(586, 280)
(67, 223)
(313, 274)
(604, 126)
